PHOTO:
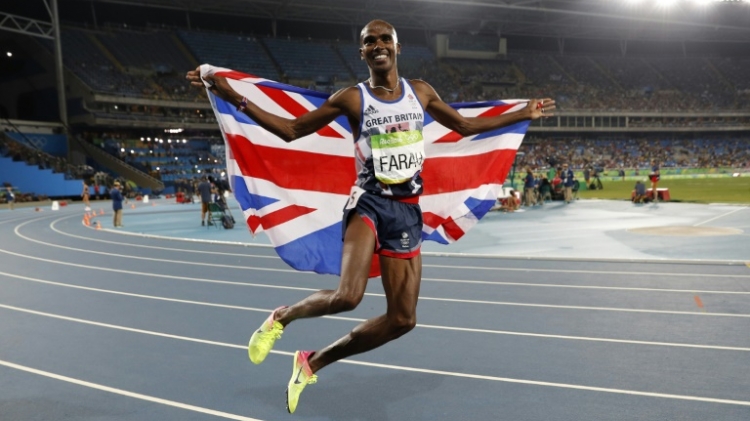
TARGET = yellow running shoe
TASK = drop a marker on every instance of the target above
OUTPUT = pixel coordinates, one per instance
(263, 339)
(301, 377)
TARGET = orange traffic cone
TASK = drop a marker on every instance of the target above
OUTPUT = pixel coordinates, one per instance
(98, 225)
(101, 211)
(132, 206)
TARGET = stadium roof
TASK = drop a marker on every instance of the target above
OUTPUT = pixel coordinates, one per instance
(664, 20)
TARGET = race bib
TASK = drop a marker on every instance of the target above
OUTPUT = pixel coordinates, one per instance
(397, 155)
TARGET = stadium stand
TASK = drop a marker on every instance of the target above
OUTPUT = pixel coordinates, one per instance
(238, 52)
(112, 62)
(307, 59)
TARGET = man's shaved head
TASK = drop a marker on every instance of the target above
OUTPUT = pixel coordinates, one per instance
(378, 22)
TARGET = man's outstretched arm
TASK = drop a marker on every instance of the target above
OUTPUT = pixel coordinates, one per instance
(285, 128)
(467, 126)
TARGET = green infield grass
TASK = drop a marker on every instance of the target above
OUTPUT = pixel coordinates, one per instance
(696, 190)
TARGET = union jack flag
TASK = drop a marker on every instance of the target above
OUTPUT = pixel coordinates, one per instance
(295, 192)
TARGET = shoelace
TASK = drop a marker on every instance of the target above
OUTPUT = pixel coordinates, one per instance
(272, 334)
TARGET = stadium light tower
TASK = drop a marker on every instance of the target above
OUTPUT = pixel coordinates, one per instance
(48, 30)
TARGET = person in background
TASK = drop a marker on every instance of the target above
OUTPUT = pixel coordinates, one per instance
(655, 176)
(587, 176)
(568, 180)
(85, 196)
(545, 190)
(204, 189)
(10, 197)
(640, 195)
(116, 196)
(528, 188)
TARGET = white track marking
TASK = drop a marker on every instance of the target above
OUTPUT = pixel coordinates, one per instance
(119, 243)
(424, 279)
(408, 369)
(127, 393)
(359, 320)
(523, 284)
(499, 269)
(717, 217)
(423, 298)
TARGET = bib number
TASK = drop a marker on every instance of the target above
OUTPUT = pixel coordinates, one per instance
(354, 196)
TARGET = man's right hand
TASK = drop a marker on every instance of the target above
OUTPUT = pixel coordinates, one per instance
(219, 86)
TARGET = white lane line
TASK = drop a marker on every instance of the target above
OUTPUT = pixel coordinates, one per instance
(423, 298)
(441, 280)
(524, 284)
(589, 272)
(409, 369)
(420, 325)
(127, 393)
(717, 217)
(436, 254)
(52, 226)
(433, 266)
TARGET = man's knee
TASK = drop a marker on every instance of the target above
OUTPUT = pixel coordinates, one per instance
(402, 324)
(341, 302)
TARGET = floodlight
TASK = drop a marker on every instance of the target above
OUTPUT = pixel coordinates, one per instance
(9, 54)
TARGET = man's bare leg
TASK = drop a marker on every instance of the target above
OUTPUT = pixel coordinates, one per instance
(401, 281)
(359, 244)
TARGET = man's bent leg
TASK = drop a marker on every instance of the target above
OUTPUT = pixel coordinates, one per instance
(359, 245)
(401, 281)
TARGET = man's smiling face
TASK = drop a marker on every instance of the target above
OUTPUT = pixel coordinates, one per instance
(379, 45)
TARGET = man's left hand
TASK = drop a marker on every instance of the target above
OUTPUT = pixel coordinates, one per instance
(538, 108)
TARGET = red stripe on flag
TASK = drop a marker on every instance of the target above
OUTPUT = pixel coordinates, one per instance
(432, 220)
(232, 74)
(295, 108)
(293, 169)
(283, 215)
(453, 137)
(253, 222)
(452, 229)
(448, 174)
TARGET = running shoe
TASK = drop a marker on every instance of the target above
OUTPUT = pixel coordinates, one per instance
(301, 377)
(263, 339)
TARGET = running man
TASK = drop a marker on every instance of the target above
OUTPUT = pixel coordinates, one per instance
(382, 214)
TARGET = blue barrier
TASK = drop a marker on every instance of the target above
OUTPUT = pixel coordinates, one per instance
(30, 179)
(53, 144)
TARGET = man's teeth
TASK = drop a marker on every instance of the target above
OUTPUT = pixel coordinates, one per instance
(380, 57)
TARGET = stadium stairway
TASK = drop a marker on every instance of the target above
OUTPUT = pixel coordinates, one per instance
(606, 73)
(719, 75)
(341, 57)
(116, 165)
(184, 50)
(270, 56)
(520, 76)
(658, 73)
(106, 52)
(562, 70)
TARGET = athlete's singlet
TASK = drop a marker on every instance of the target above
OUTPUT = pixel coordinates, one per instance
(389, 151)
